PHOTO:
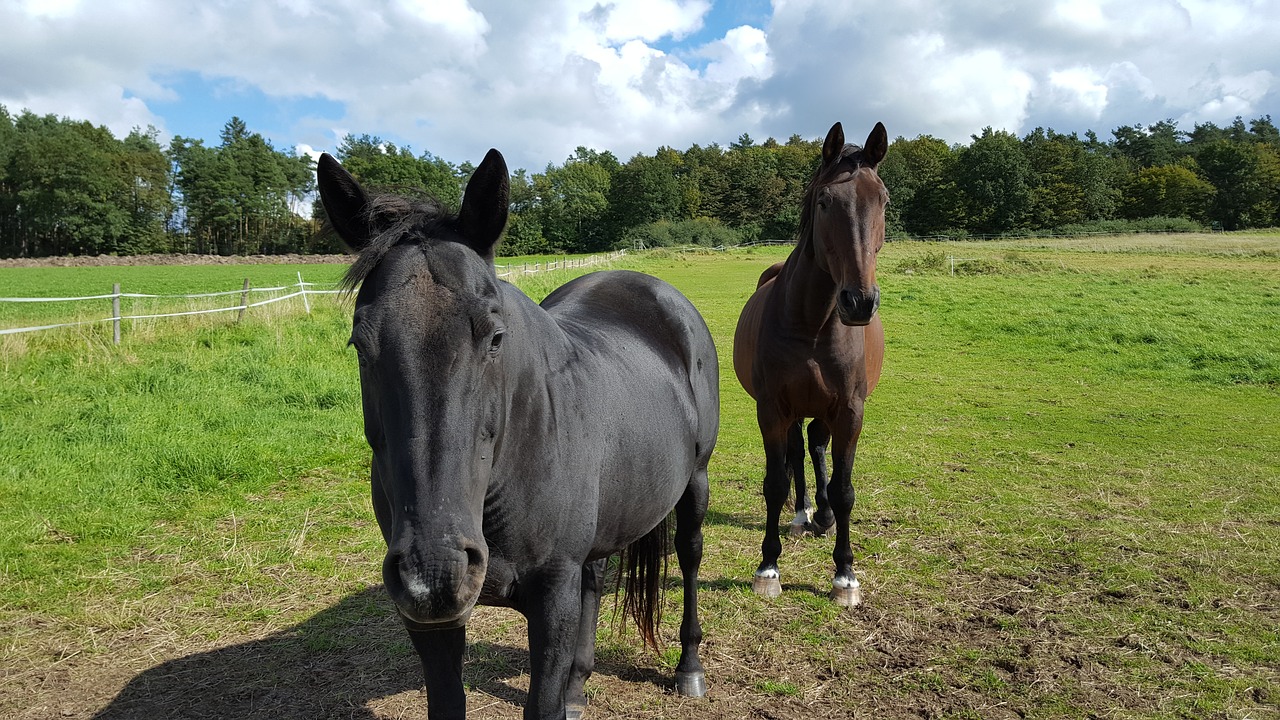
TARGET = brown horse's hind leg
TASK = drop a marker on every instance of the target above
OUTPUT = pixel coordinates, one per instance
(795, 468)
(691, 680)
(823, 520)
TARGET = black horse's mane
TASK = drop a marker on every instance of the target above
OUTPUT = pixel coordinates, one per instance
(806, 205)
(397, 218)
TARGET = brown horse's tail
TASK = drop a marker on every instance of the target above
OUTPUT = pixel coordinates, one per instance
(645, 564)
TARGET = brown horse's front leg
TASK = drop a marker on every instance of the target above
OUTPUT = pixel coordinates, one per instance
(845, 588)
(777, 485)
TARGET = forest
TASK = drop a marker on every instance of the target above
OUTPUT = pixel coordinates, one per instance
(68, 187)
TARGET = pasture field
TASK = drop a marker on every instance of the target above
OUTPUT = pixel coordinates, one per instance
(1068, 506)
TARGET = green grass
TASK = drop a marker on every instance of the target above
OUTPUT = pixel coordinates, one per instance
(1068, 490)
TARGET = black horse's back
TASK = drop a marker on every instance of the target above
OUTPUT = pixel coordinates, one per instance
(652, 313)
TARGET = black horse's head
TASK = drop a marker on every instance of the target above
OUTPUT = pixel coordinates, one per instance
(843, 217)
(428, 330)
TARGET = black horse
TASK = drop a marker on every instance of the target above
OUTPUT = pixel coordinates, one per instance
(516, 446)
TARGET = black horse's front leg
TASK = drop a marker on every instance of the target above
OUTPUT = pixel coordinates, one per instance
(553, 605)
(584, 660)
(441, 653)
(845, 588)
(774, 430)
(691, 510)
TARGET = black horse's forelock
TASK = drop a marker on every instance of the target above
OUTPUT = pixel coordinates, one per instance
(397, 219)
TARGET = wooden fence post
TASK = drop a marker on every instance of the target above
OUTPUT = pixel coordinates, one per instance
(115, 311)
(244, 300)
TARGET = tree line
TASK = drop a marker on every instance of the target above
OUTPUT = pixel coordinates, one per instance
(68, 187)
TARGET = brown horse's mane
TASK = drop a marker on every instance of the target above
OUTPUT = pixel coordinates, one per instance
(399, 219)
(854, 152)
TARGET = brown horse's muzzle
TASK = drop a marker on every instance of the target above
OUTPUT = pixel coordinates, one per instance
(855, 307)
(436, 586)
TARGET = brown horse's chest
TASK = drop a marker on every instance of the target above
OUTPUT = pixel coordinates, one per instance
(815, 377)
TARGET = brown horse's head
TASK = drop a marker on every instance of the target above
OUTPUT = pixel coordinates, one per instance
(843, 220)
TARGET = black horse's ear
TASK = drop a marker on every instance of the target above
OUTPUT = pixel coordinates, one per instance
(485, 205)
(344, 201)
(876, 146)
(833, 145)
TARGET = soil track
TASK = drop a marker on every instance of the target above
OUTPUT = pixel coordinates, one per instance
(173, 259)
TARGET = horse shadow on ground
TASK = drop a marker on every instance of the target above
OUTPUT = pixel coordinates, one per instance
(716, 517)
(333, 665)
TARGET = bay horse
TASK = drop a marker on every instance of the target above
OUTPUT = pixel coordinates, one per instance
(809, 344)
(517, 446)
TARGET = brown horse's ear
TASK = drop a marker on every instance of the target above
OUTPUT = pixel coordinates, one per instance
(344, 201)
(485, 205)
(833, 145)
(876, 146)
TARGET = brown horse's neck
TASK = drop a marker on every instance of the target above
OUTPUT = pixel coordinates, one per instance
(809, 290)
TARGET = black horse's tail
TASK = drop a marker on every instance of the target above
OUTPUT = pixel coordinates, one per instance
(645, 564)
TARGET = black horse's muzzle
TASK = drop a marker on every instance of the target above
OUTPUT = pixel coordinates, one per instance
(439, 587)
(855, 307)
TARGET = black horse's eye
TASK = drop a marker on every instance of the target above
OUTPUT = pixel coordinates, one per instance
(495, 343)
(824, 197)
(359, 353)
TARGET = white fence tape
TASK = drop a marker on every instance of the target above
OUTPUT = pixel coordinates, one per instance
(518, 271)
(108, 296)
(303, 290)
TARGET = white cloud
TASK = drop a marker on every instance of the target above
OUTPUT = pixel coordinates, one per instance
(537, 79)
(1079, 90)
(456, 17)
(619, 22)
(742, 53)
(52, 9)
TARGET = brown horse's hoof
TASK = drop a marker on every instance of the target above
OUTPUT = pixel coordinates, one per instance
(848, 597)
(765, 586)
(691, 684)
(819, 531)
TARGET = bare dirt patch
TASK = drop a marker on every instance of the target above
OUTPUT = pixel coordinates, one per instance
(996, 648)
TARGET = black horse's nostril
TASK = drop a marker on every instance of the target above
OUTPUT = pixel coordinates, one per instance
(476, 559)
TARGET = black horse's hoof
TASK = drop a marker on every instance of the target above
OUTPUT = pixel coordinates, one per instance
(691, 684)
(574, 711)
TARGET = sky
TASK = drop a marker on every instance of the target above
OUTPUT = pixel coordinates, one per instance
(536, 79)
